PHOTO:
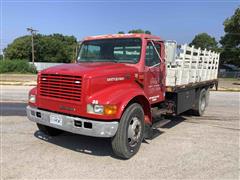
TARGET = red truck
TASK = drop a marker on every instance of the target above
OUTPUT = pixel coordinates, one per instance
(116, 82)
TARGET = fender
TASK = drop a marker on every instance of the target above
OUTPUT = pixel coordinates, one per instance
(116, 95)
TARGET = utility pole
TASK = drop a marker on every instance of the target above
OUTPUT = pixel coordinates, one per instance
(33, 32)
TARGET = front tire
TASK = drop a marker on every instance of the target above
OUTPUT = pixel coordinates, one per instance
(49, 130)
(129, 136)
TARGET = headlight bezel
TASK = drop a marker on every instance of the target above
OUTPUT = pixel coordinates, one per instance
(100, 109)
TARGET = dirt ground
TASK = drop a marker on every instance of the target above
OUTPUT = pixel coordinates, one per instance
(188, 147)
(229, 84)
(18, 77)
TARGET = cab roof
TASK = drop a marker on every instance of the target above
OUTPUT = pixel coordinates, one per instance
(111, 36)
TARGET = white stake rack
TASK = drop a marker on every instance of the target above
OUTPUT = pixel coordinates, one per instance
(192, 66)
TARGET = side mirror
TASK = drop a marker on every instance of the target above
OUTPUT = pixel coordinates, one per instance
(170, 51)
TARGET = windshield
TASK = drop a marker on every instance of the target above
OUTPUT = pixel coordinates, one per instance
(110, 50)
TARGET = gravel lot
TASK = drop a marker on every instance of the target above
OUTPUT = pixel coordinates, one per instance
(188, 147)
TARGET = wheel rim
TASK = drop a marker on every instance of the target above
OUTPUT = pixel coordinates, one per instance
(203, 103)
(134, 131)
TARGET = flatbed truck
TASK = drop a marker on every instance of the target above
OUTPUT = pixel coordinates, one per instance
(116, 82)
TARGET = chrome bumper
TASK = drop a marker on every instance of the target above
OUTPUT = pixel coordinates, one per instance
(74, 124)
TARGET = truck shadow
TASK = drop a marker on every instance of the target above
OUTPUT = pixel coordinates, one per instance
(92, 145)
(173, 121)
(79, 143)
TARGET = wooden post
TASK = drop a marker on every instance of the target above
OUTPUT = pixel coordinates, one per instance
(184, 47)
(190, 66)
(197, 62)
(32, 31)
(210, 65)
(207, 65)
(203, 64)
(216, 65)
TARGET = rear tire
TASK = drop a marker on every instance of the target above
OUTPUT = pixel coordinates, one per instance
(207, 96)
(129, 136)
(201, 103)
(49, 130)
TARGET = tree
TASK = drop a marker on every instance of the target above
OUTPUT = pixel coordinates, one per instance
(203, 40)
(121, 32)
(231, 40)
(139, 31)
(147, 32)
(20, 48)
(58, 48)
(48, 48)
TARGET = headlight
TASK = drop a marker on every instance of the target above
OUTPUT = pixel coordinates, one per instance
(98, 109)
(32, 98)
(95, 109)
(102, 109)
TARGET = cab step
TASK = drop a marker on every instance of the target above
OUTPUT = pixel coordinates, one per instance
(152, 132)
(161, 123)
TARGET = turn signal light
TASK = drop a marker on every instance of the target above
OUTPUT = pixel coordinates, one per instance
(110, 109)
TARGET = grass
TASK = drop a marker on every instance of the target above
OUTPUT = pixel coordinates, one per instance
(228, 79)
(17, 66)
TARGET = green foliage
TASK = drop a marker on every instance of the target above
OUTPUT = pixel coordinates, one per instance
(47, 48)
(147, 32)
(203, 40)
(231, 40)
(19, 49)
(139, 31)
(136, 31)
(16, 66)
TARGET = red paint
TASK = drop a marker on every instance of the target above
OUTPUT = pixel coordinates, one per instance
(93, 84)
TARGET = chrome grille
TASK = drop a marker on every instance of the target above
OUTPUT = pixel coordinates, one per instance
(61, 86)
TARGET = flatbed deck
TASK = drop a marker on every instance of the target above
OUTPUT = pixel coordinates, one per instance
(178, 88)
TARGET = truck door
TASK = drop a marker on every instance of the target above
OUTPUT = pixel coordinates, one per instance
(154, 72)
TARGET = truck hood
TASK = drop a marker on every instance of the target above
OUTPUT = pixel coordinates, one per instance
(90, 69)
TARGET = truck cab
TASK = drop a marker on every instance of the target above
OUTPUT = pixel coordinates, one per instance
(108, 92)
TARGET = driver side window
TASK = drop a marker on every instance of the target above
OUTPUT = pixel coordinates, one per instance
(151, 55)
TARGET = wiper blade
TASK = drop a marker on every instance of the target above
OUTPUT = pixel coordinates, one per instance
(112, 60)
(86, 61)
(126, 61)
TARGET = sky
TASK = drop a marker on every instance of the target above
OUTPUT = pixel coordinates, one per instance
(171, 20)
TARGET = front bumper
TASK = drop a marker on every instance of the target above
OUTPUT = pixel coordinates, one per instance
(74, 124)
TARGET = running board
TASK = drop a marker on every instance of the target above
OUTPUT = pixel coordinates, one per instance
(152, 132)
(160, 123)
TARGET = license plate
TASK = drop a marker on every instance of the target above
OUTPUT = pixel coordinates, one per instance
(56, 119)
